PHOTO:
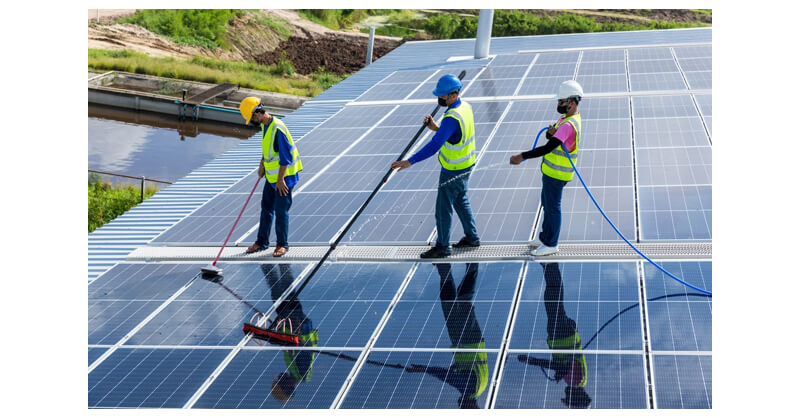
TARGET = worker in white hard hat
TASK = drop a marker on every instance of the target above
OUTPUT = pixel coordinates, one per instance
(563, 137)
(280, 163)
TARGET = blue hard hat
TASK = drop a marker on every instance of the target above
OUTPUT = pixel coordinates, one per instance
(446, 85)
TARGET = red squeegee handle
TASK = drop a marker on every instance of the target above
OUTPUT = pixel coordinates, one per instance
(236, 222)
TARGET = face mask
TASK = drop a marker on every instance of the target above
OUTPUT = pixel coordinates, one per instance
(562, 108)
(442, 102)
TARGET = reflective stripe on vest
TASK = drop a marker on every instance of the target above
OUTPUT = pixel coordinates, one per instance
(573, 342)
(270, 158)
(556, 163)
(289, 356)
(454, 157)
(475, 363)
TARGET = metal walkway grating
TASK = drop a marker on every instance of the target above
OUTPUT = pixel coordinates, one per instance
(583, 252)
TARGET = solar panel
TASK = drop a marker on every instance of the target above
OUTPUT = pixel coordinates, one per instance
(488, 334)
(683, 381)
(260, 379)
(448, 305)
(421, 380)
(616, 381)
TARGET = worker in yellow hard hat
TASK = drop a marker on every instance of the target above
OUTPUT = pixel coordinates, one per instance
(280, 163)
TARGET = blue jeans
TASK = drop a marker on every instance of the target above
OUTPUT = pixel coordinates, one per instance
(273, 203)
(454, 195)
(552, 189)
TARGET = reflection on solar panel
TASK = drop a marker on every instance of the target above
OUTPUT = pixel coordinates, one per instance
(592, 331)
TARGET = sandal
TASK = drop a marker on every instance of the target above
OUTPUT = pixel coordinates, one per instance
(254, 248)
(279, 251)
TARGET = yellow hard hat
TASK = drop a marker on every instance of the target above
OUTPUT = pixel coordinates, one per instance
(246, 107)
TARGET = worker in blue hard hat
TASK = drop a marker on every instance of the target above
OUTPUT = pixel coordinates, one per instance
(469, 372)
(562, 334)
(562, 137)
(280, 163)
(455, 143)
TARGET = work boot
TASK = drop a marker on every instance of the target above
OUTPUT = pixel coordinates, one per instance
(544, 250)
(436, 252)
(536, 243)
(464, 242)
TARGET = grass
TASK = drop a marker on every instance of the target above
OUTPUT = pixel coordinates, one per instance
(278, 25)
(197, 27)
(513, 23)
(278, 78)
(106, 202)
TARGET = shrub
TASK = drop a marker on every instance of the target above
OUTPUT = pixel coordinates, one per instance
(199, 27)
(106, 202)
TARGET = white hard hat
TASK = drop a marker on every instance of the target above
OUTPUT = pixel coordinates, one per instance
(569, 88)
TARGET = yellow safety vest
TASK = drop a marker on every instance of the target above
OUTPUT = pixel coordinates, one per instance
(454, 157)
(289, 356)
(476, 363)
(270, 158)
(573, 342)
(556, 163)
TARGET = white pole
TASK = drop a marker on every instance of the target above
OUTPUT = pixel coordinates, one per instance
(369, 45)
(484, 34)
(98, 15)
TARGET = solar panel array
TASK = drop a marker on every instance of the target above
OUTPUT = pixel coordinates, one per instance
(422, 335)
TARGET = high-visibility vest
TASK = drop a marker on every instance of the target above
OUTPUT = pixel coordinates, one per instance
(572, 342)
(454, 157)
(474, 362)
(556, 163)
(270, 158)
(290, 356)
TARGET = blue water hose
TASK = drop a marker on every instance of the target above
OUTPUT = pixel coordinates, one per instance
(706, 292)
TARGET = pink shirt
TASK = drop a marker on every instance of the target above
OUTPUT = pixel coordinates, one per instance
(566, 134)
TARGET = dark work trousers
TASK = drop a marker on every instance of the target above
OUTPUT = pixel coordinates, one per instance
(552, 190)
(273, 204)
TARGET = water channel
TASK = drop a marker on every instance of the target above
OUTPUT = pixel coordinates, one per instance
(153, 145)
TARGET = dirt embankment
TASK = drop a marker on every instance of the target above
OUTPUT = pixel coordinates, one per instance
(310, 46)
(335, 53)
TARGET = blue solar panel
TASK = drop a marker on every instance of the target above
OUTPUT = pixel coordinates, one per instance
(264, 379)
(447, 305)
(683, 381)
(675, 212)
(420, 380)
(95, 353)
(316, 217)
(501, 215)
(211, 312)
(614, 381)
(579, 297)
(151, 378)
(395, 216)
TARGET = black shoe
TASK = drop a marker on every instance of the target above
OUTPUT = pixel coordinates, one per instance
(436, 252)
(464, 243)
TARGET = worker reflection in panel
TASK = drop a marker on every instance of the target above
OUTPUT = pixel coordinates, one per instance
(562, 334)
(290, 316)
(469, 372)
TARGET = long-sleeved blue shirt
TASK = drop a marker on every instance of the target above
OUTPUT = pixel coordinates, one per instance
(449, 131)
(284, 150)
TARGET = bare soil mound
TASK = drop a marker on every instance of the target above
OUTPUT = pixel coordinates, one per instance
(336, 53)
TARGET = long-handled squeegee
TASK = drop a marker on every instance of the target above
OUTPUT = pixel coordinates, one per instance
(212, 269)
(252, 328)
